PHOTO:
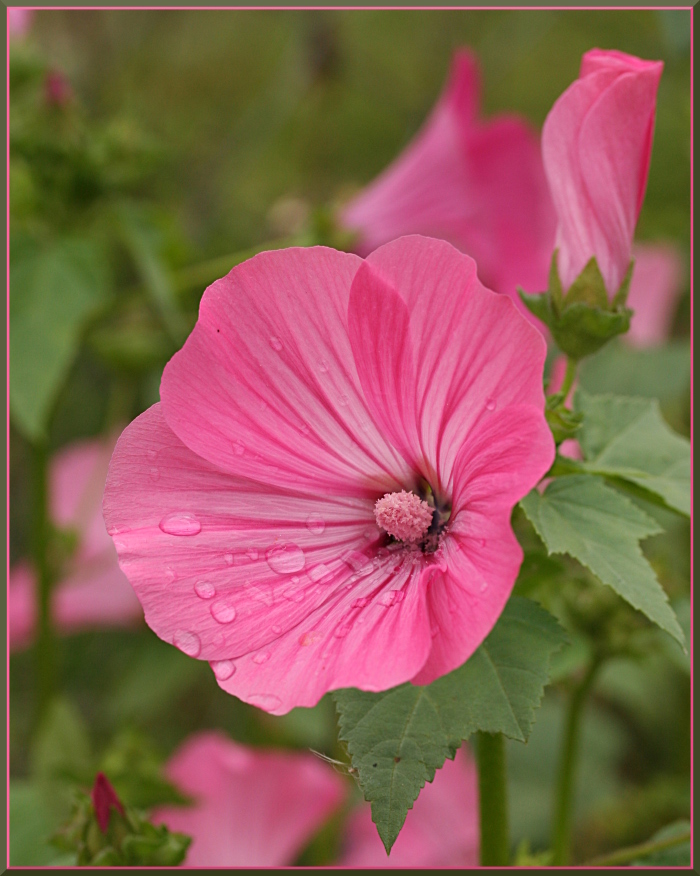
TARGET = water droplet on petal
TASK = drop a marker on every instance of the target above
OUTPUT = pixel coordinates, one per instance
(490, 404)
(483, 586)
(361, 602)
(343, 400)
(323, 366)
(154, 473)
(482, 542)
(285, 558)
(321, 574)
(275, 343)
(223, 612)
(228, 559)
(238, 448)
(262, 657)
(392, 597)
(223, 669)
(252, 554)
(180, 523)
(151, 454)
(170, 575)
(399, 596)
(342, 629)
(205, 590)
(188, 643)
(315, 524)
(268, 702)
(356, 560)
(276, 630)
(294, 594)
(261, 593)
(370, 533)
(434, 631)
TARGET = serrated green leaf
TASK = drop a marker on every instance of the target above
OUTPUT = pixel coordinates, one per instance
(398, 738)
(579, 515)
(54, 291)
(627, 438)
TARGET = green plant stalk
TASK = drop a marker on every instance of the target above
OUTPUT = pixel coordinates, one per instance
(45, 643)
(493, 799)
(566, 777)
(569, 377)
(631, 853)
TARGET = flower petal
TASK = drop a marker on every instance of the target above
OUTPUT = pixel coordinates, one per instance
(473, 352)
(253, 808)
(230, 570)
(266, 387)
(499, 464)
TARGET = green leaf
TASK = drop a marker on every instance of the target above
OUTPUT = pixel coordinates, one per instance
(61, 748)
(32, 821)
(674, 856)
(657, 372)
(579, 515)
(398, 738)
(54, 291)
(628, 439)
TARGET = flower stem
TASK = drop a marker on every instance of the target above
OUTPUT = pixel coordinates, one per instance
(631, 853)
(45, 644)
(561, 843)
(569, 377)
(493, 799)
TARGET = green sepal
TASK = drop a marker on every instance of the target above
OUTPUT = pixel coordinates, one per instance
(539, 305)
(582, 330)
(587, 288)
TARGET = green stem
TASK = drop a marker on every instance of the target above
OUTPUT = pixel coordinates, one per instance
(45, 642)
(493, 799)
(569, 377)
(631, 853)
(563, 810)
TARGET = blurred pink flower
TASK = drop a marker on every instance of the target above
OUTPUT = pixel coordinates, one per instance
(657, 283)
(93, 591)
(253, 807)
(314, 384)
(479, 185)
(442, 829)
(596, 145)
(19, 21)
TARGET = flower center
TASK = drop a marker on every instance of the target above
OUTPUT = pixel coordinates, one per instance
(404, 515)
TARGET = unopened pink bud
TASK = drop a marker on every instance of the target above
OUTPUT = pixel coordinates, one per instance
(103, 797)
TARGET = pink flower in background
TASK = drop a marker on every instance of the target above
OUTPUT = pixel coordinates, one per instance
(479, 185)
(596, 145)
(252, 807)
(244, 505)
(656, 287)
(93, 591)
(19, 21)
(442, 829)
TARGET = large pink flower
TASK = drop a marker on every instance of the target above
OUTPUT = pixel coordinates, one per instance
(596, 145)
(657, 283)
(313, 385)
(252, 808)
(442, 829)
(93, 591)
(479, 185)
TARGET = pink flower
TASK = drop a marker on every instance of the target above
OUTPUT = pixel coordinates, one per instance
(313, 385)
(654, 292)
(19, 21)
(596, 145)
(93, 591)
(253, 808)
(104, 798)
(442, 829)
(479, 185)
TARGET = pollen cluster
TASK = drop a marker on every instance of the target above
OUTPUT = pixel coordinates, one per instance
(404, 515)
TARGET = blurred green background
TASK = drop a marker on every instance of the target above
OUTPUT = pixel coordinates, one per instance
(229, 125)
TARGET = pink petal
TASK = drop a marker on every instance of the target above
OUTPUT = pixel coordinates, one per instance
(596, 145)
(657, 284)
(441, 830)
(480, 186)
(473, 352)
(21, 605)
(253, 808)
(266, 387)
(266, 578)
(502, 461)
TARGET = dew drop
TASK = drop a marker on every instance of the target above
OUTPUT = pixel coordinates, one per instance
(483, 587)
(294, 594)
(205, 590)
(315, 524)
(262, 657)
(262, 594)
(188, 643)
(341, 631)
(154, 473)
(151, 454)
(370, 533)
(343, 401)
(321, 574)
(223, 669)
(228, 559)
(276, 630)
(393, 597)
(356, 560)
(285, 558)
(238, 448)
(170, 575)
(399, 596)
(275, 343)
(490, 404)
(361, 602)
(180, 523)
(223, 612)
(482, 542)
(323, 366)
(268, 702)
(252, 554)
